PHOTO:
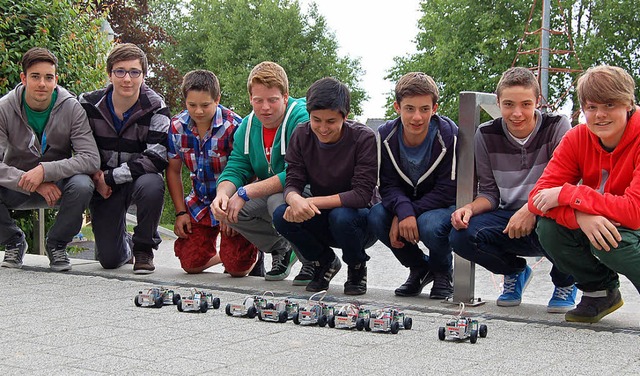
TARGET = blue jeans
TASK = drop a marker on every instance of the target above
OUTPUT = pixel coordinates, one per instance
(484, 243)
(343, 228)
(433, 226)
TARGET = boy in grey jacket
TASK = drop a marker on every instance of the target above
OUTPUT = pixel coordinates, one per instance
(46, 155)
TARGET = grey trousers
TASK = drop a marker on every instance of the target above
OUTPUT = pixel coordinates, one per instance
(255, 223)
(114, 245)
(76, 193)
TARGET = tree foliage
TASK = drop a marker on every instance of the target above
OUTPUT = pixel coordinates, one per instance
(68, 28)
(229, 37)
(466, 44)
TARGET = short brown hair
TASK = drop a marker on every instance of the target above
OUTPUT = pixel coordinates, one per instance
(37, 55)
(518, 76)
(606, 84)
(201, 80)
(416, 83)
(124, 52)
(270, 75)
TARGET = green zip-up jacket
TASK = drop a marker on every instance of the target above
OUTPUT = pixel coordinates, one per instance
(248, 160)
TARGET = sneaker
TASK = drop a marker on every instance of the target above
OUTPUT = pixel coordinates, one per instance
(563, 299)
(58, 258)
(442, 285)
(143, 261)
(356, 280)
(14, 253)
(280, 266)
(258, 268)
(324, 274)
(418, 278)
(514, 286)
(595, 305)
(306, 274)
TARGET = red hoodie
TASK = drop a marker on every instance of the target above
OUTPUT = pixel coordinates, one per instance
(579, 156)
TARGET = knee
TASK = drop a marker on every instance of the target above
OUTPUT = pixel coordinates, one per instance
(278, 216)
(377, 219)
(344, 217)
(460, 241)
(79, 188)
(150, 187)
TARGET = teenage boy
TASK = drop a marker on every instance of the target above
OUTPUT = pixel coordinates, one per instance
(511, 153)
(247, 203)
(589, 194)
(201, 137)
(336, 158)
(46, 154)
(417, 186)
(130, 123)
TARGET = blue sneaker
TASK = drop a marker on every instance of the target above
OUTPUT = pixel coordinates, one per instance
(563, 299)
(514, 286)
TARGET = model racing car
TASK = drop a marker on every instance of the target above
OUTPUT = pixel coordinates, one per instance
(199, 301)
(462, 327)
(281, 311)
(316, 311)
(389, 320)
(152, 298)
(350, 316)
(250, 307)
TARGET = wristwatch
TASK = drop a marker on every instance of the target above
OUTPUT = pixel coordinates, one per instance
(243, 193)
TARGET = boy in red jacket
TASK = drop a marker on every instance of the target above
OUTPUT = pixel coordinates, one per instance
(589, 195)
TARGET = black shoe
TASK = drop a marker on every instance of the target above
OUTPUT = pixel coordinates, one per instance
(258, 268)
(280, 266)
(356, 280)
(595, 305)
(324, 274)
(442, 285)
(418, 278)
(305, 276)
(143, 261)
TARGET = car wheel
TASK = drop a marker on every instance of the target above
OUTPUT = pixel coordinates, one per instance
(296, 318)
(367, 325)
(179, 305)
(322, 321)
(260, 317)
(252, 312)
(441, 335)
(216, 303)
(176, 298)
(283, 316)
(227, 310)
(483, 330)
(204, 306)
(473, 338)
(332, 321)
(136, 301)
(158, 302)
(395, 327)
(408, 323)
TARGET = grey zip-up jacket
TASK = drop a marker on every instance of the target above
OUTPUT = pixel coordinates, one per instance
(67, 148)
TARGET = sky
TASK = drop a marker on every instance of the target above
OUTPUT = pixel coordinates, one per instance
(373, 31)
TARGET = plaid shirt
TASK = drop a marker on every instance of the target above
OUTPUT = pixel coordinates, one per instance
(204, 158)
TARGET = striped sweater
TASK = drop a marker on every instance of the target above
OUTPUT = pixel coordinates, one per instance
(141, 145)
(507, 171)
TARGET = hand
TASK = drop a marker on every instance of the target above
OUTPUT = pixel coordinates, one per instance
(520, 224)
(408, 228)
(546, 199)
(460, 218)
(219, 207)
(602, 232)
(182, 227)
(31, 179)
(50, 192)
(227, 230)
(234, 205)
(101, 185)
(394, 234)
(300, 209)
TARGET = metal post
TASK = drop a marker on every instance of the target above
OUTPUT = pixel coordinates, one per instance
(544, 63)
(39, 233)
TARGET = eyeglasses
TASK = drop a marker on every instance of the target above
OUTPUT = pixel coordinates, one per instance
(133, 73)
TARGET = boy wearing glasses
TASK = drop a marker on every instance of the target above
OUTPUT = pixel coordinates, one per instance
(130, 124)
(46, 155)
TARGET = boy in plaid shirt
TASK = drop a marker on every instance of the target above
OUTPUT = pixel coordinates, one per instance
(201, 138)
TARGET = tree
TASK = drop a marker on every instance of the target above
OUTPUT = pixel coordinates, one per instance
(466, 45)
(229, 37)
(68, 28)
